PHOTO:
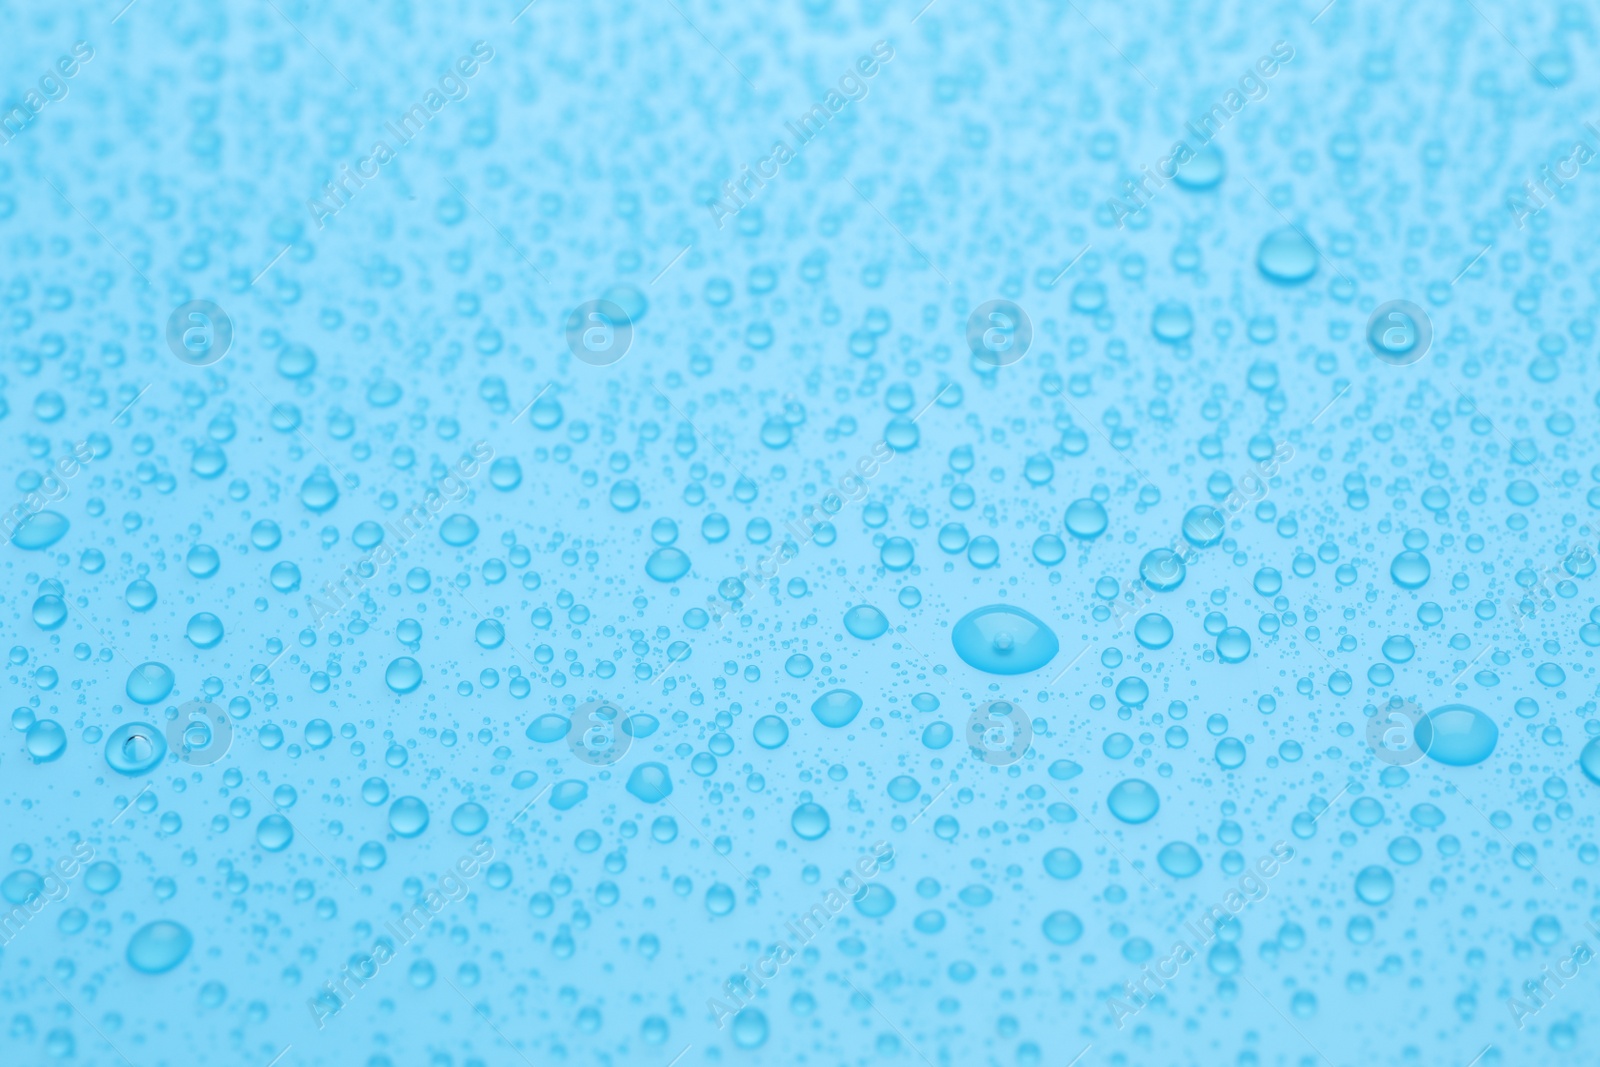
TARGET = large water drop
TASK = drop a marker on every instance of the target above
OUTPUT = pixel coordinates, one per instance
(1000, 639)
(135, 748)
(1133, 801)
(150, 683)
(1457, 735)
(40, 530)
(1286, 257)
(836, 707)
(159, 946)
(650, 782)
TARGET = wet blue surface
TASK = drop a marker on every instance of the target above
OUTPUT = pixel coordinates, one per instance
(684, 534)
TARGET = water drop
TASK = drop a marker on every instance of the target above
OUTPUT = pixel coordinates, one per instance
(1133, 800)
(150, 683)
(810, 821)
(771, 731)
(1153, 631)
(45, 741)
(1086, 519)
(999, 639)
(1162, 570)
(1374, 885)
(1062, 928)
(1203, 526)
(469, 819)
(1410, 570)
(1179, 859)
(750, 1028)
(865, 622)
(836, 708)
(204, 630)
(274, 833)
(408, 816)
(458, 531)
(667, 564)
(1457, 735)
(318, 492)
(158, 947)
(1201, 171)
(650, 782)
(40, 530)
(1062, 864)
(1286, 257)
(135, 748)
(403, 674)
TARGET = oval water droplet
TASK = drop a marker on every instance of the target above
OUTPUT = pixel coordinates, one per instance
(1162, 570)
(408, 816)
(150, 683)
(469, 819)
(1457, 735)
(1410, 570)
(548, 728)
(318, 492)
(45, 741)
(567, 795)
(1589, 760)
(204, 630)
(135, 748)
(750, 1028)
(458, 531)
(1374, 885)
(1203, 170)
(1233, 645)
(1286, 257)
(1086, 519)
(1153, 631)
(403, 675)
(771, 731)
(274, 833)
(650, 782)
(40, 530)
(810, 821)
(865, 622)
(836, 707)
(1062, 928)
(667, 564)
(1133, 800)
(1000, 639)
(158, 947)
(1179, 859)
(1062, 864)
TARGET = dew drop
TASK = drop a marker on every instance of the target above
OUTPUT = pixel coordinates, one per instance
(1133, 800)
(1287, 258)
(650, 782)
(403, 675)
(1086, 519)
(836, 708)
(1457, 735)
(135, 748)
(150, 683)
(865, 622)
(408, 816)
(158, 947)
(999, 639)
(40, 530)
(1179, 859)
(810, 821)
(1062, 928)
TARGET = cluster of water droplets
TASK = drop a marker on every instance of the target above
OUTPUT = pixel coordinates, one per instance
(1019, 673)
